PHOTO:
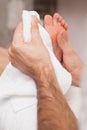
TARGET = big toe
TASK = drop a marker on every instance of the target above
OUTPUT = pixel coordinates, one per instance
(48, 20)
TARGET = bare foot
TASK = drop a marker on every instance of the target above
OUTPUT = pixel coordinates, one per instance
(71, 61)
(55, 26)
(4, 59)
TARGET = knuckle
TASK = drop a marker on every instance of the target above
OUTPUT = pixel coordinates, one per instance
(13, 50)
(14, 47)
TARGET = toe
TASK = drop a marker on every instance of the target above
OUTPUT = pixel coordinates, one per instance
(66, 26)
(60, 19)
(63, 23)
(48, 20)
(55, 19)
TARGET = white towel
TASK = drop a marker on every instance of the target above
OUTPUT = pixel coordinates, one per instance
(73, 97)
(20, 89)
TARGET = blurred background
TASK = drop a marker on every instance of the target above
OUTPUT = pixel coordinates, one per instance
(73, 11)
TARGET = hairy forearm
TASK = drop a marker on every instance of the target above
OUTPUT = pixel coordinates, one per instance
(53, 110)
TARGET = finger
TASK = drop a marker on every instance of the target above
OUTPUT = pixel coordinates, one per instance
(35, 28)
(13, 50)
(18, 35)
(13, 57)
(11, 53)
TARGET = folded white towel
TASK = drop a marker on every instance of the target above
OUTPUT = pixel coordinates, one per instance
(20, 88)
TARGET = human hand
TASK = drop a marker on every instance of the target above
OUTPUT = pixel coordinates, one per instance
(57, 29)
(4, 59)
(31, 57)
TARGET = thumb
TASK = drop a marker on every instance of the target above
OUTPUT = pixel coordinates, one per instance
(35, 28)
(18, 34)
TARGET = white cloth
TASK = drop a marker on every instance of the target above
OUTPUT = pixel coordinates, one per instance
(73, 97)
(83, 109)
(18, 93)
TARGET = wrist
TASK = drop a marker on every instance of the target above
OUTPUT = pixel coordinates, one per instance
(43, 74)
(47, 84)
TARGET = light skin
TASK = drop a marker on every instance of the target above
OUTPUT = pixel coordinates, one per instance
(4, 59)
(33, 59)
(63, 50)
(57, 28)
